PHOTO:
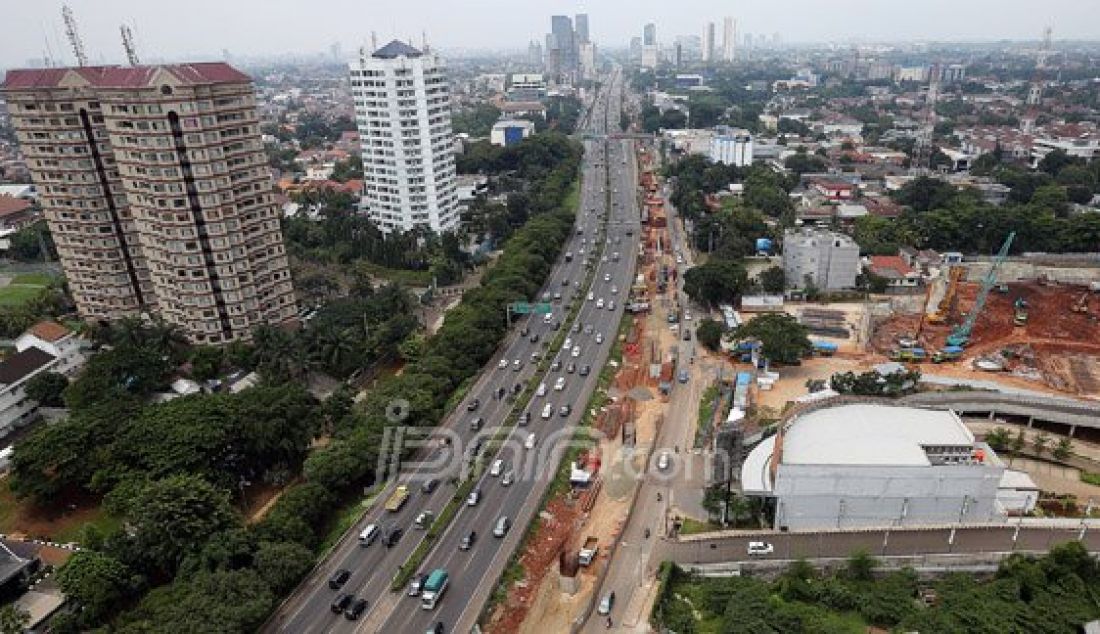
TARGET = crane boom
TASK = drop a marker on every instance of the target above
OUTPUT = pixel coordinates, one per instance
(74, 36)
(961, 335)
(128, 44)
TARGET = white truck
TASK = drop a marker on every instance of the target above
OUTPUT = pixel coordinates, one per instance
(588, 551)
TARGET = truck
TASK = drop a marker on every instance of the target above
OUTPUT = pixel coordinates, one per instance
(588, 551)
(947, 353)
(397, 499)
(908, 354)
(434, 588)
(1019, 314)
(824, 348)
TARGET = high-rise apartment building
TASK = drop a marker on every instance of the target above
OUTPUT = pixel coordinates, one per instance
(708, 42)
(156, 189)
(588, 60)
(729, 39)
(403, 112)
(534, 54)
(649, 34)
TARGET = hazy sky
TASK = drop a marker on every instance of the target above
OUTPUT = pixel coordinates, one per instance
(188, 28)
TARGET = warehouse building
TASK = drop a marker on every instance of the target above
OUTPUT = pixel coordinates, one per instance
(871, 465)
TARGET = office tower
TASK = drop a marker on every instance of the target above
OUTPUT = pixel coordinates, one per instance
(635, 48)
(679, 55)
(156, 189)
(649, 35)
(729, 39)
(580, 24)
(534, 54)
(708, 42)
(403, 112)
(588, 60)
(562, 29)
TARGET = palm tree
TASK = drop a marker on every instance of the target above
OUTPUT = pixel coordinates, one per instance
(333, 345)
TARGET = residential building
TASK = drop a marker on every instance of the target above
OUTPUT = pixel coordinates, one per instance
(828, 260)
(155, 186)
(526, 87)
(649, 34)
(895, 269)
(15, 213)
(403, 112)
(650, 56)
(729, 39)
(731, 146)
(1076, 140)
(708, 43)
(57, 340)
(534, 54)
(16, 410)
(588, 60)
(870, 465)
(510, 131)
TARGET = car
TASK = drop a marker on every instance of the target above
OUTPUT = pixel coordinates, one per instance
(339, 578)
(341, 602)
(475, 450)
(603, 259)
(760, 548)
(607, 277)
(559, 385)
(555, 326)
(610, 304)
(599, 338)
(497, 468)
(606, 603)
(476, 423)
(571, 368)
(576, 326)
(355, 610)
(369, 534)
(508, 478)
(473, 498)
(568, 343)
(473, 405)
(547, 411)
(672, 318)
(517, 365)
(534, 338)
(468, 541)
(565, 410)
(416, 584)
(499, 394)
(556, 365)
(687, 315)
(576, 352)
(683, 376)
(599, 303)
(423, 520)
(429, 485)
(663, 461)
(547, 318)
(679, 259)
(393, 536)
(557, 297)
(687, 334)
(588, 329)
(436, 629)
(530, 442)
(614, 290)
(524, 419)
(517, 388)
(541, 391)
(523, 332)
(503, 364)
(565, 281)
(585, 370)
(502, 526)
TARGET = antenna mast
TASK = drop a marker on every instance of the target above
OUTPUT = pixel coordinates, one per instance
(74, 36)
(128, 44)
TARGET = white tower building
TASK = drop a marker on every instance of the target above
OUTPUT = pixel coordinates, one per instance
(403, 112)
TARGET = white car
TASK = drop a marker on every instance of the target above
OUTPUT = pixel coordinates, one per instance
(541, 391)
(473, 498)
(517, 364)
(559, 385)
(591, 296)
(610, 304)
(497, 468)
(576, 351)
(503, 364)
(607, 277)
(568, 343)
(614, 290)
(599, 338)
(530, 442)
(760, 548)
(547, 318)
(687, 315)
(599, 303)
(663, 461)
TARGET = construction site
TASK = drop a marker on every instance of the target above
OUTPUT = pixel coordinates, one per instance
(1039, 330)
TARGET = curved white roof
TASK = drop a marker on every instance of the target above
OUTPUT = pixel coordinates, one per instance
(869, 434)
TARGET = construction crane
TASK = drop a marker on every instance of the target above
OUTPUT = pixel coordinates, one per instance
(74, 36)
(128, 44)
(961, 334)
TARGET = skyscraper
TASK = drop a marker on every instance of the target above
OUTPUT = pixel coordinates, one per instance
(561, 27)
(708, 42)
(534, 54)
(580, 23)
(729, 39)
(156, 189)
(649, 34)
(403, 112)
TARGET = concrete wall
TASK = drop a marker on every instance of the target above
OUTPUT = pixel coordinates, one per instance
(845, 496)
(1069, 272)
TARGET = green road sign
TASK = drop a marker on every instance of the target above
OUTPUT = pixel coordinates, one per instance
(521, 308)
(544, 309)
(525, 308)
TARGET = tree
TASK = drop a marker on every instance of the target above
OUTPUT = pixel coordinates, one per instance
(998, 438)
(1040, 442)
(47, 388)
(282, 564)
(1018, 441)
(100, 583)
(206, 362)
(860, 567)
(773, 280)
(1055, 161)
(782, 338)
(716, 281)
(1063, 448)
(801, 163)
(13, 619)
(709, 332)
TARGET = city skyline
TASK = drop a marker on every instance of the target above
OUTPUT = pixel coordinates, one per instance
(249, 29)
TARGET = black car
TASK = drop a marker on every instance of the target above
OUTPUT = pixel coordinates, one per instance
(356, 609)
(474, 404)
(534, 337)
(437, 628)
(339, 578)
(585, 370)
(476, 423)
(468, 541)
(392, 537)
(500, 393)
(556, 325)
(340, 603)
(429, 485)
(517, 388)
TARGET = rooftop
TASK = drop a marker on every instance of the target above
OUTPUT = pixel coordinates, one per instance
(395, 49)
(866, 434)
(11, 205)
(124, 76)
(16, 367)
(49, 331)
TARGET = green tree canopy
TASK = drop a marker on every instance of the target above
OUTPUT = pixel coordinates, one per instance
(782, 338)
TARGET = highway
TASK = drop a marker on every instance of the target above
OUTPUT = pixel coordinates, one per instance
(474, 573)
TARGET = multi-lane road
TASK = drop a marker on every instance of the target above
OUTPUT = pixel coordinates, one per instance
(607, 223)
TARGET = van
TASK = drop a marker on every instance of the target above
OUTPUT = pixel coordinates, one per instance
(547, 410)
(369, 534)
(503, 524)
(760, 548)
(541, 391)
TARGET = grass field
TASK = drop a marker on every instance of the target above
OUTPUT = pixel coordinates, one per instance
(33, 279)
(23, 288)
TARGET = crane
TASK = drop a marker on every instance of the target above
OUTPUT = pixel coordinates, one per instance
(961, 334)
(128, 44)
(74, 36)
